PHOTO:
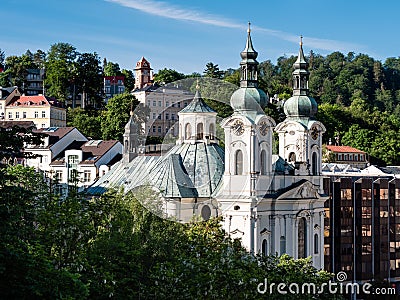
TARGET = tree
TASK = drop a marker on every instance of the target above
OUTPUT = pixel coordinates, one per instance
(129, 81)
(2, 57)
(116, 115)
(14, 139)
(213, 71)
(112, 69)
(89, 79)
(59, 70)
(86, 121)
(166, 76)
(17, 69)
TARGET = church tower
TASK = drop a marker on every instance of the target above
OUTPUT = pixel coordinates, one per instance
(130, 140)
(248, 133)
(300, 135)
(197, 122)
(143, 75)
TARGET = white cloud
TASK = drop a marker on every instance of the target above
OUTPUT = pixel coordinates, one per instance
(166, 10)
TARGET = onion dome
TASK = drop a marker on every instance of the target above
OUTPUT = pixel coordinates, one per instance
(300, 105)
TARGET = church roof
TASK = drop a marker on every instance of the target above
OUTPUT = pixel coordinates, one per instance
(197, 105)
(186, 171)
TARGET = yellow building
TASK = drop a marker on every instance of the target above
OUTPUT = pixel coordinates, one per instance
(43, 111)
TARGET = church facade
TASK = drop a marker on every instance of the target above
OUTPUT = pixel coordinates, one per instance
(272, 202)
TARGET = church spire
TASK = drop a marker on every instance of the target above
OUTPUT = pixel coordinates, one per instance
(248, 65)
(300, 73)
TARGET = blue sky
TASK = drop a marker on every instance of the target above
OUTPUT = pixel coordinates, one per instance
(185, 35)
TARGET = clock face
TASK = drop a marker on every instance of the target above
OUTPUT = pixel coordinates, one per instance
(263, 128)
(238, 127)
(314, 133)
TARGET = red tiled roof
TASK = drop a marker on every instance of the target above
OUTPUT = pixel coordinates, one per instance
(343, 149)
(38, 100)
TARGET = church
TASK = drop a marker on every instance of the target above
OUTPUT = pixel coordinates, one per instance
(273, 202)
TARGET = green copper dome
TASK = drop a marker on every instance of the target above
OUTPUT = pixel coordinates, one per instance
(249, 99)
(300, 106)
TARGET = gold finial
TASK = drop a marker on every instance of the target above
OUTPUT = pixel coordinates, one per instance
(249, 30)
(197, 84)
(301, 40)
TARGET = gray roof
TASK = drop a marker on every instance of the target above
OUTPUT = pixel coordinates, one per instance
(197, 105)
(186, 171)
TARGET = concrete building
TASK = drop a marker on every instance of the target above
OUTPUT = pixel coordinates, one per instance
(56, 140)
(164, 104)
(45, 112)
(34, 78)
(82, 163)
(113, 85)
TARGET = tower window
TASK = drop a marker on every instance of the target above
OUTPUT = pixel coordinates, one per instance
(292, 157)
(188, 131)
(211, 133)
(282, 244)
(314, 164)
(302, 238)
(263, 160)
(264, 249)
(238, 162)
(199, 131)
(316, 244)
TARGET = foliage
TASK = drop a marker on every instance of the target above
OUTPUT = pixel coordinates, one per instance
(112, 247)
(14, 139)
(116, 115)
(129, 80)
(59, 70)
(165, 76)
(213, 71)
(89, 79)
(88, 122)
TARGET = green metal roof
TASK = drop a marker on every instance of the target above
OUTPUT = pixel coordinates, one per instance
(197, 105)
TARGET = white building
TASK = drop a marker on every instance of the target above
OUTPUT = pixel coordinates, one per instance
(45, 112)
(56, 140)
(273, 203)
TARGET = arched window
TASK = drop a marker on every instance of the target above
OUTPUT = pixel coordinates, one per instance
(292, 157)
(238, 162)
(282, 243)
(302, 238)
(264, 249)
(314, 164)
(200, 131)
(316, 244)
(126, 146)
(263, 162)
(211, 131)
(188, 131)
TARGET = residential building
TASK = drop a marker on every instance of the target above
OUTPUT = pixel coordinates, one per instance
(82, 163)
(43, 111)
(113, 85)
(56, 140)
(164, 104)
(143, 74)
(35, 78)
(272, 203)
(7, 95)
(347, 155)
